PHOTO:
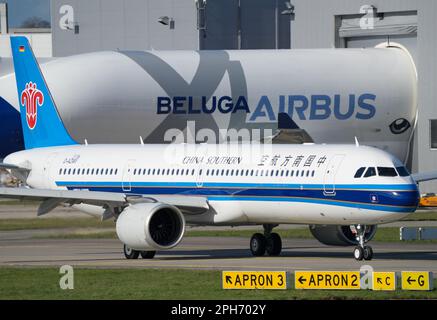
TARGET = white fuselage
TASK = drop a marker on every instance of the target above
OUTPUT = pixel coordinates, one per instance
(306, 184)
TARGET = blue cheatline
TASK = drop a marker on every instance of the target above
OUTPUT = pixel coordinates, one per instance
(391, 187)
(386, 199)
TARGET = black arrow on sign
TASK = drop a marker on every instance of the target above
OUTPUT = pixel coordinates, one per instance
(409, 280)
(302, 279)
(379, 280)
(229, 279)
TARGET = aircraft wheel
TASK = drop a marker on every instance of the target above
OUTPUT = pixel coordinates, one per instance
(130, 253)
(358, 253)
(258, 244)
(367, 253)
(147, 254)
(274, 246)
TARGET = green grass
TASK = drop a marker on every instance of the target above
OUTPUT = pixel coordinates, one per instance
(43, 283)
(53, 223)
(422, 216)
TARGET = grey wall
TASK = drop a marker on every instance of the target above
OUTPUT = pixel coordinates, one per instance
(314, 27)
(124, 24)
(133, 25)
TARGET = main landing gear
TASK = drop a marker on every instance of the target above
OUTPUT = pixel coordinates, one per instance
(268, 242)
(362, 251)
(130, 253)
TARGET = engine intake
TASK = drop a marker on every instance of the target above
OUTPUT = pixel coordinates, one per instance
(339, 235)
(147, 226)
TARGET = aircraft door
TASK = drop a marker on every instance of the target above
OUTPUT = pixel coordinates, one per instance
(126, 182)
(50, 171)
(201, 168)
(199, 176)
(330, 173)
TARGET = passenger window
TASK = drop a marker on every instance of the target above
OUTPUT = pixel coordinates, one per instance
(370, 172)
(387, 172)
(403, 172)
(312, 175)
(359, 172)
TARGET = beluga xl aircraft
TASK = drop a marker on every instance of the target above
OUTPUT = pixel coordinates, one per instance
(152, 191)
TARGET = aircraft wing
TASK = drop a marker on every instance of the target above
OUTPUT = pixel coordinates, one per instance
(424, 176)
(108, 200)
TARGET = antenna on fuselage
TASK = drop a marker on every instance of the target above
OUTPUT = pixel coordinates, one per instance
(86, 142)
(141, 141)
(357, 144)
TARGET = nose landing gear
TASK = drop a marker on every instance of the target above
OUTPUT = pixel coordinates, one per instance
(362, 251)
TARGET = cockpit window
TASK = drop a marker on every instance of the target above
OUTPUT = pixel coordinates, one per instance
(370, 172)
(359, 172)
(403, 172)
(387, 172)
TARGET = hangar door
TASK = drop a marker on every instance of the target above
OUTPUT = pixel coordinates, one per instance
(373, 28)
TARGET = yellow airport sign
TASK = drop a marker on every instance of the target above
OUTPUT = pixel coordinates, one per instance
(254, 279)
(384, 281)
(417, 280)
(327, 280)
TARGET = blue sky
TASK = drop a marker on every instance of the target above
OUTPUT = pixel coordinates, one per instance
(20, 10)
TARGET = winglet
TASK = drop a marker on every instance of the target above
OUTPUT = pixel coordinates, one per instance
(42, 125)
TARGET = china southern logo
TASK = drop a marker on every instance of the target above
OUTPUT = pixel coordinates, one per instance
(31, 98)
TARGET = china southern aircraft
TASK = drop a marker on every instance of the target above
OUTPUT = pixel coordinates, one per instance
(341, 191)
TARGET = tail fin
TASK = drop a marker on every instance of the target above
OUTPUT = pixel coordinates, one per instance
(42, 125)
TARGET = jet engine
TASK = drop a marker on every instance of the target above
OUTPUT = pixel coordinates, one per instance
(335, 235)
(150, 226)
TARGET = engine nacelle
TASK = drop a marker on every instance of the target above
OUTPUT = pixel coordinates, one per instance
(339, 235)
(150, 226)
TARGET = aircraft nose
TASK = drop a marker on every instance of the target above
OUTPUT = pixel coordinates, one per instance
(11, 133)
(408, 198)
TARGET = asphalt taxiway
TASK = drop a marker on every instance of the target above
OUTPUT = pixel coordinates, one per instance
(24, 248)
(215, 253)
